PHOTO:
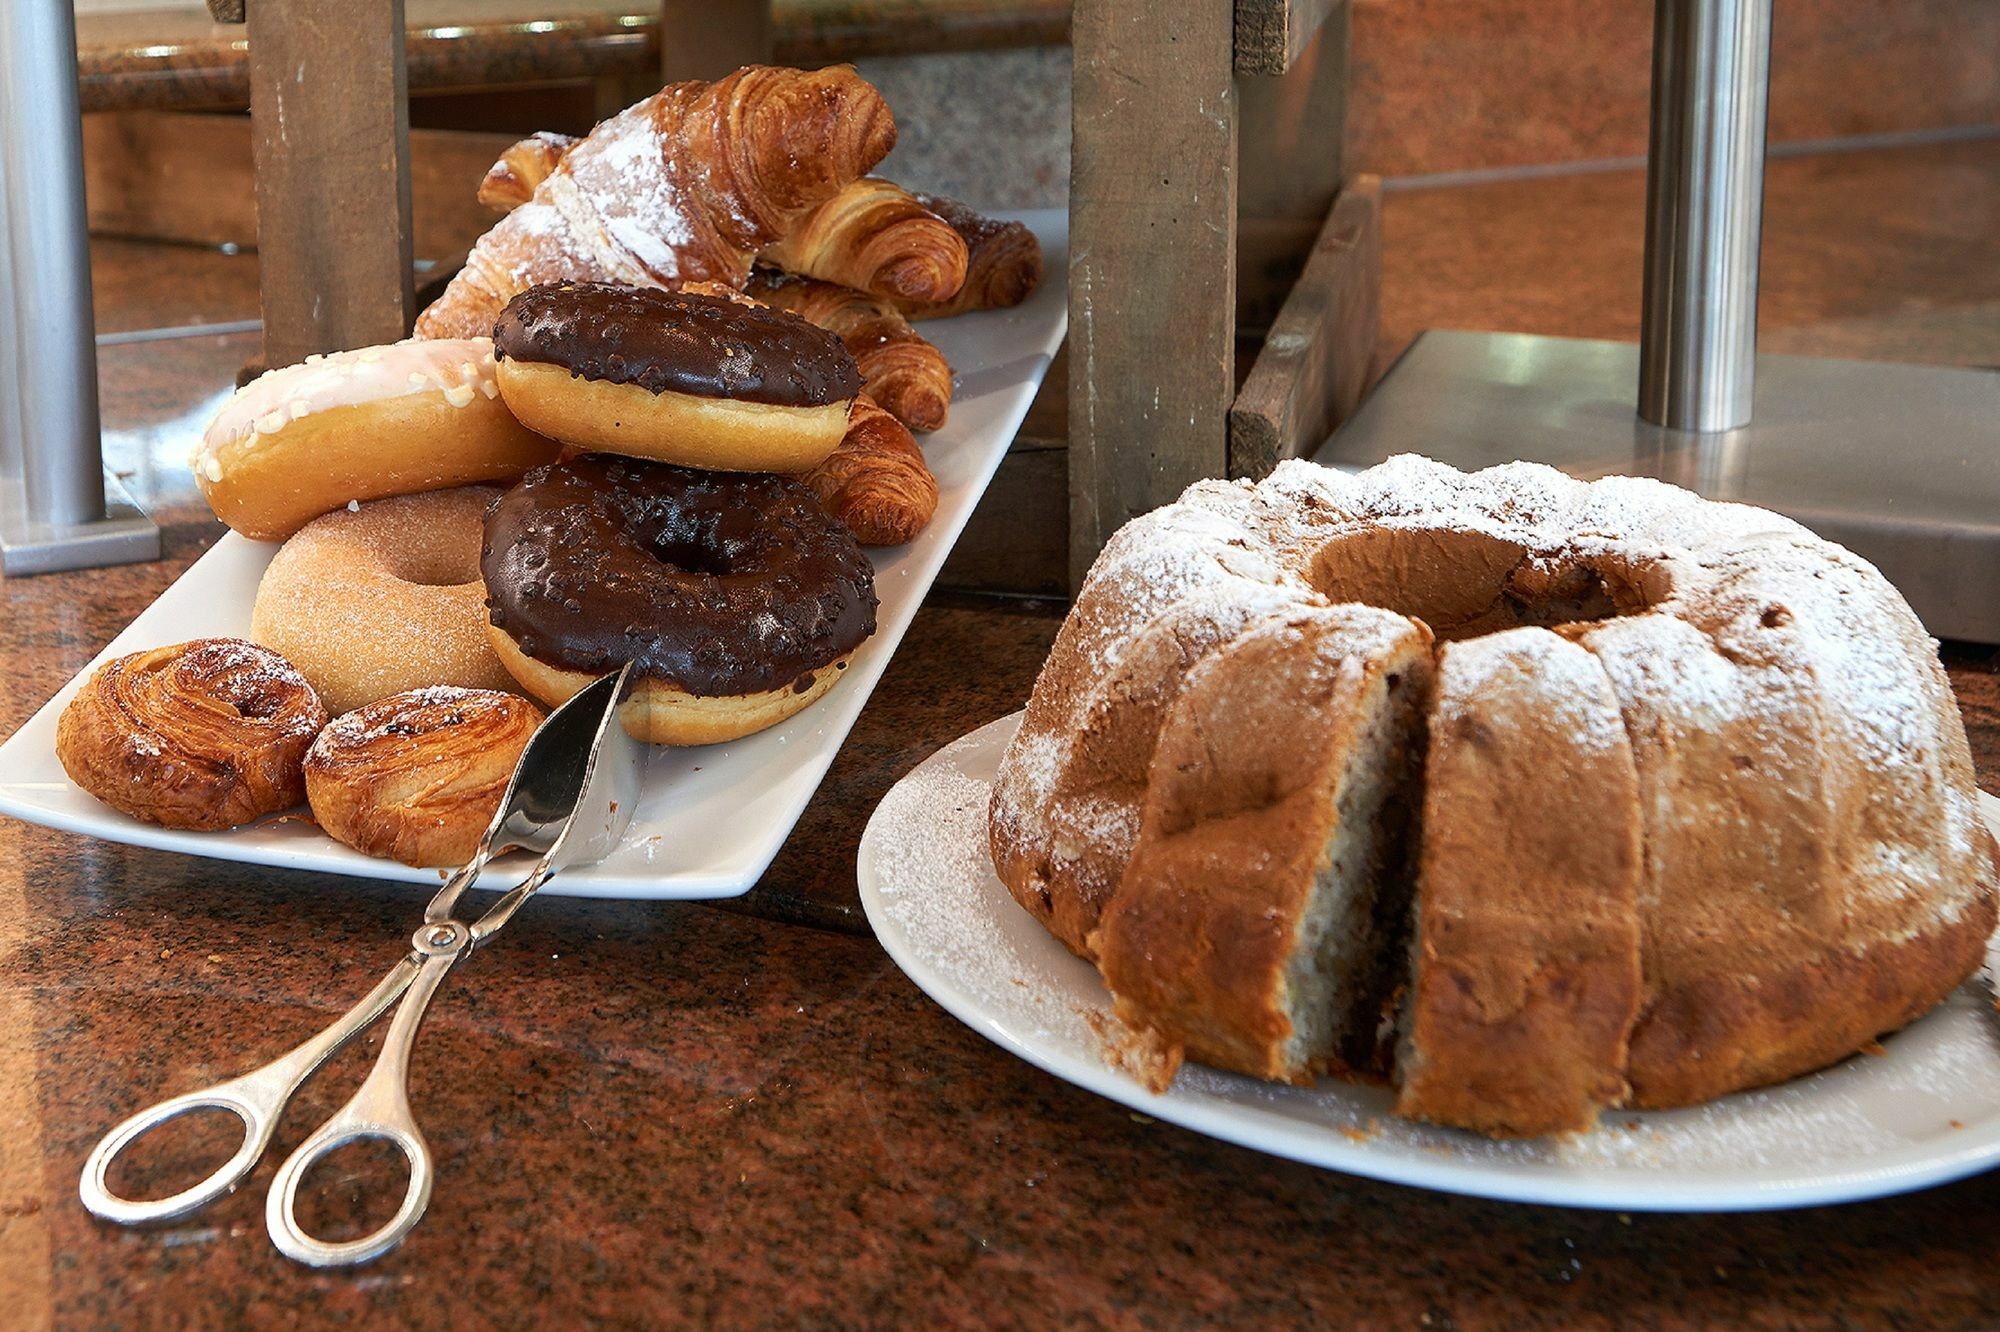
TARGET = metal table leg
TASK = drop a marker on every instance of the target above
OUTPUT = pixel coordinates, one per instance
(57, 508)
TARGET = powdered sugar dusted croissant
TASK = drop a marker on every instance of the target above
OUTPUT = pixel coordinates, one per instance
(904, 373)
(875, 237)
(685, 186)
(1003, 268)
(877, 481)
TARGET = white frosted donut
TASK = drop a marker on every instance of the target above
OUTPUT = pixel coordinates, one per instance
(310, 438)
(384, 598)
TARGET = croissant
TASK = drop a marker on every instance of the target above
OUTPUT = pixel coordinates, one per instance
(208, 734)
(685, 186)
(875, 237)
(511, 181)
(904, 373)
(1003, 267)
(877, 481)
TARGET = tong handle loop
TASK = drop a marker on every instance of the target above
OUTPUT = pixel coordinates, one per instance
(379, 1109)
(256, 1098)
(259, 1119)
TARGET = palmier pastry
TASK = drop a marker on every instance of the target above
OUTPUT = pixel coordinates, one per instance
(307, 439)
(738, 595)
(417, 777)
(203, 735)
(384, 597)
(692, 379)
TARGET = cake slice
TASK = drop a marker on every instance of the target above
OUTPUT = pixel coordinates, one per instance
(1525, 943)
(1265, 886)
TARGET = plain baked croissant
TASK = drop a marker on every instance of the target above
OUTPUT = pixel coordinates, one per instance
(687, 185)
(511, 181)
(904, 373)
(875, 237)
(876, 482)
(1003, 266)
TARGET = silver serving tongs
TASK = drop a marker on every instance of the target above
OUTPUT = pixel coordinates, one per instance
(571, 796)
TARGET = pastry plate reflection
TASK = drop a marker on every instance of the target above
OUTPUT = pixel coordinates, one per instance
(1924, 1111)
(712, 818)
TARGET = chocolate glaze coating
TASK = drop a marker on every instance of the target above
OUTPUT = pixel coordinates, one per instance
(665, 341)
(718, 582)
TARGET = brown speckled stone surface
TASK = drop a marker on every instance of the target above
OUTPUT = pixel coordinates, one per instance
(657, 1115)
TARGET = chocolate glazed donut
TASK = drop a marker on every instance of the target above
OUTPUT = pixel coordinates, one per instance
(699, 380)
(737, 594)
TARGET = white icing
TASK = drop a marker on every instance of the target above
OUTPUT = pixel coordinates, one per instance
(263, 408)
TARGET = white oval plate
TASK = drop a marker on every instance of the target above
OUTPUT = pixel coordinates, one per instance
(1926, 1111)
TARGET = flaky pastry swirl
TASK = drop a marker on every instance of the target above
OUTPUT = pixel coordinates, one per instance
(204, 735)
(417, 776)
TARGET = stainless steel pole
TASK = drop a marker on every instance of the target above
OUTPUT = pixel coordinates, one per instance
(10, 338)
(1704, 212)
(57, 510)
(54, 348)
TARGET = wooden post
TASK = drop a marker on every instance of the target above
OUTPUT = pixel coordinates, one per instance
(1292, 163)
(330, 111)
(1314, 365)
(1152, 291)
(706, 39)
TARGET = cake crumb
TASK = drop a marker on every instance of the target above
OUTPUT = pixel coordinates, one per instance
(1148, 1056)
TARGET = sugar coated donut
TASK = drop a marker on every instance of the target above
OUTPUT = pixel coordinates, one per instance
(694, 379)
(417, 777)
(360, 425)
(202, 735)
(739, 596)
(383, 597)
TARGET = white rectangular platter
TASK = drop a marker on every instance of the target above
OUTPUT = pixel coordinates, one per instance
(712, 818)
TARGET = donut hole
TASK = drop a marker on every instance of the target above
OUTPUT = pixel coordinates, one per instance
(1467, 584)
(441, 564)
(690, 554)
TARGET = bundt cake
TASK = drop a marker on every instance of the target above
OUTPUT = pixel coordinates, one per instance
(1678, 802)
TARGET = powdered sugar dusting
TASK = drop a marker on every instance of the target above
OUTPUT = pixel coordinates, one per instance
(1746, 620)
(928, 840)
(1572, 694)
(364, 726)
